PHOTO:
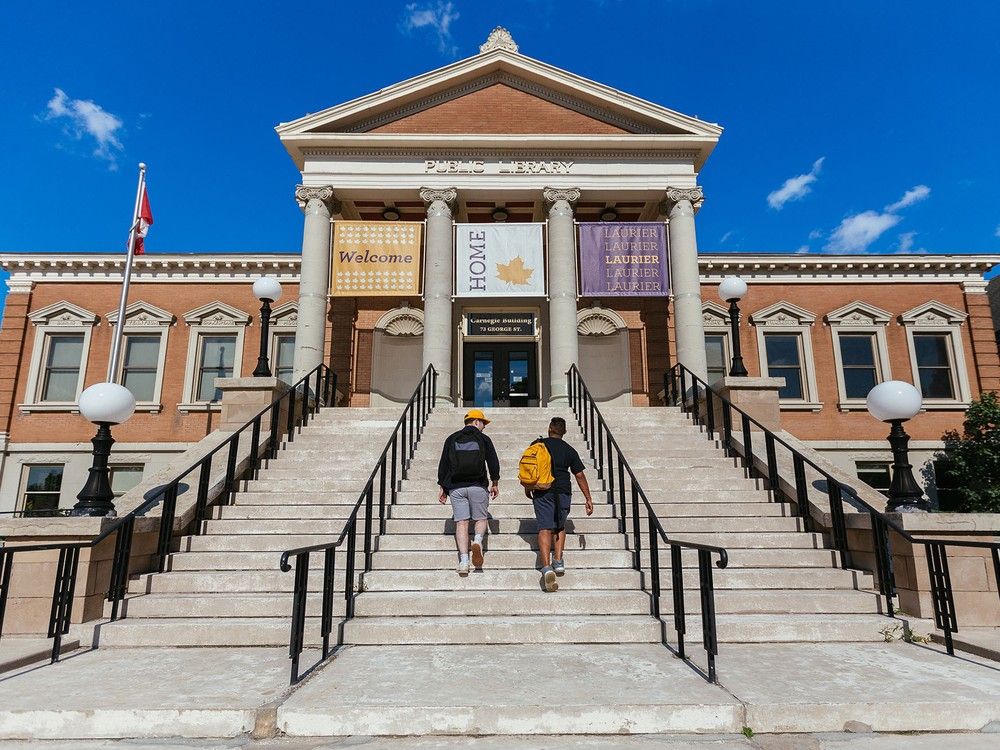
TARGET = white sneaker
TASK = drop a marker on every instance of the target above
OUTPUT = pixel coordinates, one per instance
(549, 579)
(463, 567)
(477, 554)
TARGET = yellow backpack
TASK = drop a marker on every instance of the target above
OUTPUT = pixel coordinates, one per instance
(534, 471)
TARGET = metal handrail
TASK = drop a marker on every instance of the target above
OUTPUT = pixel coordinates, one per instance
(678, 393)
(297, 395)
(397, 453)
(598, 437)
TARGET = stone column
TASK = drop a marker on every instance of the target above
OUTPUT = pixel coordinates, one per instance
(439, 275)
(685, 282)
(314, 276)
(564, 349)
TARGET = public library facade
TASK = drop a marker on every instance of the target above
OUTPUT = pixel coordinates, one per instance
(498, 138)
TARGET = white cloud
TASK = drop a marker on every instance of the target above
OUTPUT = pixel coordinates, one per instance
(856, 232)
(795, 188)
(906, 242)
(802, 250)
(997, 232)
(726, 236)
(437, 17)
(911, 196)
(815, 234)
(85, 117)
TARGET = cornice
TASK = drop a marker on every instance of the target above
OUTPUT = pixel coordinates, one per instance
(534, 153)
(108, 267)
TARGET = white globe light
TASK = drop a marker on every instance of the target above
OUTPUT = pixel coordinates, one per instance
(107, 402)
(732, 287)
(267, 288)
(893, 399)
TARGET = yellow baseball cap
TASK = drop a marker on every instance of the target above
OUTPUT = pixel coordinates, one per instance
(476, 414)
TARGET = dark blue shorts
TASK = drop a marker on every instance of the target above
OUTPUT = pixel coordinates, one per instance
(551, 510)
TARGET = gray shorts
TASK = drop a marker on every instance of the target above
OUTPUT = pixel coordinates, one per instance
(469, 502)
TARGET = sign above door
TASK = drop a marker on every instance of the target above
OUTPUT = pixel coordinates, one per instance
(500, 324)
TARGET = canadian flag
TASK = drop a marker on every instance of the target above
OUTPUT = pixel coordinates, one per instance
(144, 223)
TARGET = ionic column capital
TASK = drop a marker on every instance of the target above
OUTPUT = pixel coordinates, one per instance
(447, 196)
(305, 194)
(553, 196)
(677, 197)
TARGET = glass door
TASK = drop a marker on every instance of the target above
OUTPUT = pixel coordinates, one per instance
(500, 375)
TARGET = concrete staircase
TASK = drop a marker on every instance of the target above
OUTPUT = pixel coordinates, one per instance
(223, 587)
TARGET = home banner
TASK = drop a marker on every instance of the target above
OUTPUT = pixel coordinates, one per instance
(376, 258)
(499, 260)
(624, 259)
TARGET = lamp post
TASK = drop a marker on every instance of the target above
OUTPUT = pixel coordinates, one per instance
(732, 290)
(267, 290)
(895, 401)
(104, 404)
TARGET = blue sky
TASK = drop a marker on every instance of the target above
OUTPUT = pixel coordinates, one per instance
(858, 125)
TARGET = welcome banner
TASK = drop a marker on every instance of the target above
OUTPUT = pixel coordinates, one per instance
(376, 258)
(624, 259)
(499, 260)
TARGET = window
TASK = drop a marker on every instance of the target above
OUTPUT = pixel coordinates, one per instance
(59, 356)
(215, 350)
(784, 360)
(41, 487)
(142, 359)
(715, 354)
(934, 370)
(784, 346)
(124, 478)
(284, 355)
(937, 355)
(946, 482)
(63, 358)
(215, 360)
(857, 357)
(875, 474)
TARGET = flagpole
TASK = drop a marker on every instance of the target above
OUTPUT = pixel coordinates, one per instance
(116, 344)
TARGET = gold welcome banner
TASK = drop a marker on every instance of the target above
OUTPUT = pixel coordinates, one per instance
(376, 258)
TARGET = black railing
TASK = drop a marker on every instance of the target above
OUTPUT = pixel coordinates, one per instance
(383, 482)
(624, 498)
(741, 436)
(301, 401)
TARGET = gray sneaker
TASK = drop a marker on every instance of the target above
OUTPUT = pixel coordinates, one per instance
(463, 566)
(559, 567)
(549, 579)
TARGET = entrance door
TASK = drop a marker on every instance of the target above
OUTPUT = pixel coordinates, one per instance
(500, 375)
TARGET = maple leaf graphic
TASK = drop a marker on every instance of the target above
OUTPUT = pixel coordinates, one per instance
(514, 272)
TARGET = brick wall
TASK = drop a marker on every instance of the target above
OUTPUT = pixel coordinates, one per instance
(498, 109)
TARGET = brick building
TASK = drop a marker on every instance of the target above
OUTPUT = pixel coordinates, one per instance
(498, 138)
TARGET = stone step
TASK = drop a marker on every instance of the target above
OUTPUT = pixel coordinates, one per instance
(709, 512)
(513, 494)
(644, 470)
(519, 523)
(500, 542)
(502, 630)
(443, 559)
(534, 601)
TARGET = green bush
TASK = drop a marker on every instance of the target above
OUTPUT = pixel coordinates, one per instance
(972, 459)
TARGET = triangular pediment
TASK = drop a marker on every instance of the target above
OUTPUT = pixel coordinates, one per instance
(216, 314)
(782, 313)
(714, 315)
(499, 92)
(141, 313)
(858, 313)
(63, 313)
(933, 313)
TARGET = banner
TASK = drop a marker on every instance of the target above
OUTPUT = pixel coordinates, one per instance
(376, 258)
(624, 259)
(499, 260)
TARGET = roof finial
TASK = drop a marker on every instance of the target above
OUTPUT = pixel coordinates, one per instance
(499, 38)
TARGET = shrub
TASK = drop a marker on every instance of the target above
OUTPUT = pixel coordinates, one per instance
(973, 458)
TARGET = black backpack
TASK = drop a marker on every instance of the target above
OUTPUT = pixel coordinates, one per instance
(467, 457)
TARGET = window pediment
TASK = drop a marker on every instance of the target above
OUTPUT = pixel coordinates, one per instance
(933, 313)
(782, 314)
(858, 314)
(714, 315)
(142, 314)
(63, 313)
(217, 314)
(286, 315)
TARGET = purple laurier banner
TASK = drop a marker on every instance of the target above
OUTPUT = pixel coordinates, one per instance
(624, 259)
